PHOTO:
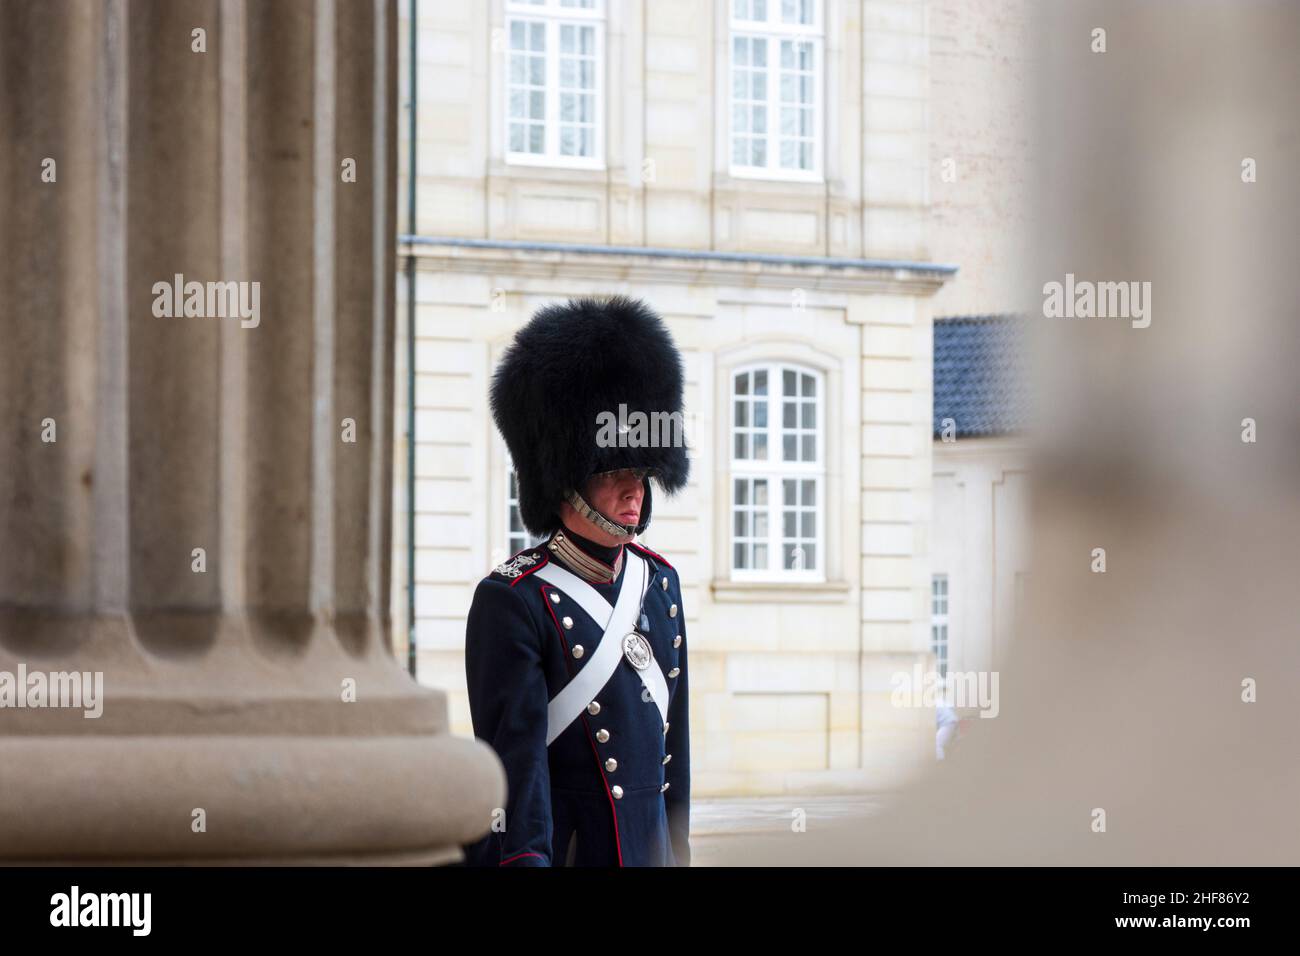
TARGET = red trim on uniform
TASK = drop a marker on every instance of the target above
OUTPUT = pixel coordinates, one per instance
(540, 564)
(519, 856)
(551, 609)
(658, 557)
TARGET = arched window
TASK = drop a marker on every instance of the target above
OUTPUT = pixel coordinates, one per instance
(778, 468)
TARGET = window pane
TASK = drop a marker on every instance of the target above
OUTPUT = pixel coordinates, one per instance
(788, 383)
(788, 491)
(760, 492)
(738, 556)
(760, 9)
(568, 142)
(806, 522)
(787, 556)
(760, 51)
(787, 154)
(536, 139)
(808, 415)
(536, 71)
(516, 137)
(517, 68)
(517, 103)
(742, 416)
(537, 41)
(760, 382)
(739, 119)
(517, 35)
(739, 450)
(808, 386)
(759, 116)
(760, 414)
(810, 556)
(760, 556)
(809, 448)
(788, 414)
(742, 491)
(742, 383)
(740, 51)
(760, 524)
(788, 448)
(809, 493)
(760, 446)
(760, 152)
(740, 524)
(788, 524)
(758, 84)
(537, 105)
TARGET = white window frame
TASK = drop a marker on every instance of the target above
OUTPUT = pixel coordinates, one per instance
(941, 619)
(774, 31)
(775, 469)
(553, 15)
(512, 504)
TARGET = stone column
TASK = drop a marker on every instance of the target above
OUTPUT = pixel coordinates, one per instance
(252, 708)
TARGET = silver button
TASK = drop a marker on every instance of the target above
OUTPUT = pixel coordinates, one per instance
(602, 735)
(663, 788)
(611, 764)
(617, 791)
(674, 672)
(677, 641)
(555, 598)
(664, 582)
(593, 708)
(668, 758)
(578, 651)
(672, 611)
(567, 621)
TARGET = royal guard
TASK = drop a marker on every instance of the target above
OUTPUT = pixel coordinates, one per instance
(575, 650)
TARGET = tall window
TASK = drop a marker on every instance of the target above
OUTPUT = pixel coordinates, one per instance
(554, 90)
(776, 90)
(777, 473)
(517, 536)
(939, 622)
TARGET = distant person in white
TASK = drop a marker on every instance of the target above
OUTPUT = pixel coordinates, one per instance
(947, 720)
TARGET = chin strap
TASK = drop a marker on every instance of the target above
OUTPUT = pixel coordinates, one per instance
(599, 520)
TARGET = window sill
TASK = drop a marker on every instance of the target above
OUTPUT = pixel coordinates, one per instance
(780, 592)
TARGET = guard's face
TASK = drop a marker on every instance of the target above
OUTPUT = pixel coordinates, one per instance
(617, 495)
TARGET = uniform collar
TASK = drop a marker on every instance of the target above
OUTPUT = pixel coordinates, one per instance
(594, 563)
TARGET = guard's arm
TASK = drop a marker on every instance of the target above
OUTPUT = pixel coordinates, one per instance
(507, 701)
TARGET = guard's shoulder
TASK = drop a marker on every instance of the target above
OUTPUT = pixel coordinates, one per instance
(645, 552)
(518, 566)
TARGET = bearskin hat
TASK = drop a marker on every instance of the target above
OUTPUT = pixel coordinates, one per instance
(568, 370)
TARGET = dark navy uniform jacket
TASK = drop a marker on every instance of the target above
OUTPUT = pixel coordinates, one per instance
(613, 789)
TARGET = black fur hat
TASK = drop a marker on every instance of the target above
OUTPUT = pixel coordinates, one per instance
(557, 386)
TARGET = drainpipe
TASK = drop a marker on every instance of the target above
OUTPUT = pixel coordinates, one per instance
(410, 353)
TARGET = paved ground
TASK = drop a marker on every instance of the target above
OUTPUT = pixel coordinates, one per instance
(719, 820)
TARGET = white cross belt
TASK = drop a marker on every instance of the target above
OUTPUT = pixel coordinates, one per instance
(617, 621)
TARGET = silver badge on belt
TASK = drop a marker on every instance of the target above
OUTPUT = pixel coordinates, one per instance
(637, 651)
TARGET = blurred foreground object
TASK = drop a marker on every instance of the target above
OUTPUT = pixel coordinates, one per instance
(201, 529)
(1126, 701)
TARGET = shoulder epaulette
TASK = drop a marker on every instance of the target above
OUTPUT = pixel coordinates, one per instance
(519, 566)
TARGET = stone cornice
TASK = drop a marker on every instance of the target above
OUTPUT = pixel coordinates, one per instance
(686, 266)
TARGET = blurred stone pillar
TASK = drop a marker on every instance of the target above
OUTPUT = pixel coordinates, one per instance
(212, 139)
